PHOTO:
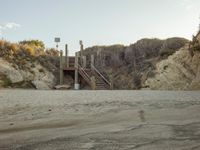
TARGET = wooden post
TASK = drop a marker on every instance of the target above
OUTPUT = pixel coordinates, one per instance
(81, 51)
(93, 81)
(84, 62)
(92, 60)
(111, 82)
(61, 67)
(66, 56)
(76, 84)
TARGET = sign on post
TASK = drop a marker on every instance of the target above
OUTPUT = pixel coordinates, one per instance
(57, 39)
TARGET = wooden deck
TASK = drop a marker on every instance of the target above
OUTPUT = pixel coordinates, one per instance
(69, 69)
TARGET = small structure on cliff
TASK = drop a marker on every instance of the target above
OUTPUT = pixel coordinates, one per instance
(77, 67)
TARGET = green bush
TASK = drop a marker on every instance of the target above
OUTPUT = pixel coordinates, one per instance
(52, 52)
(33, 43)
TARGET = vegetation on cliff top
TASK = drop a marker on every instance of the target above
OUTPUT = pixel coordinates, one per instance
(25, 54)
(25, 48)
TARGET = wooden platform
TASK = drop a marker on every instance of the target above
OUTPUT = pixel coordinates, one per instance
(69, 69)
(76, 66)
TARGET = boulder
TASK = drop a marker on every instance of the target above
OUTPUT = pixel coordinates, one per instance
(40, 85)
(62, 87)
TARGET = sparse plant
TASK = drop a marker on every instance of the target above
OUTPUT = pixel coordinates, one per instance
(137, 80)
(52, 52)
(6, 82)
(41, 70)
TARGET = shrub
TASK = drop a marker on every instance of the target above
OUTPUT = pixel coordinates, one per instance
(14, 48)
(52, 52)
(166, 52)
(27, 50)
(195, 43)
(171, 45)
(137, 81)
(4, 49)
(33, 43)
(41, 70)
(151, 74)
(6, 81)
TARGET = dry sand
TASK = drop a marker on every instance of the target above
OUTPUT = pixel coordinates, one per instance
(99, 120)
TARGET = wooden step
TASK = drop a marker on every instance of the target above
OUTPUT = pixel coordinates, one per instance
(100, 83)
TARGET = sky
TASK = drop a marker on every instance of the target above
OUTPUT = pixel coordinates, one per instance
(97, 22)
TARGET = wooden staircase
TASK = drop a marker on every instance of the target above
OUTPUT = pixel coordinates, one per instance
(70, 64)
(94, 78)
(91, 75)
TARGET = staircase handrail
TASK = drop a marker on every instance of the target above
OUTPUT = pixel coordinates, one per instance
(98, 72)
(85, 73)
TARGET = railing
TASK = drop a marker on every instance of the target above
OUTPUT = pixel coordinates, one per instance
(104, 79)
(84, 74)
(71, 61)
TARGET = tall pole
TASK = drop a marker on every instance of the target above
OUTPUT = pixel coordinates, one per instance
(81, 50)
(61, 67)
(84, 62)
(66, 55)
(57, 40)
(76, 84)
(92, 60)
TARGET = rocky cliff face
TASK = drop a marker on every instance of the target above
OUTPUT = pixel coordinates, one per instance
(130, 66)
(181, 71)
(36, 77)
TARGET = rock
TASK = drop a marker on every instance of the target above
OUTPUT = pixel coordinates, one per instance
(195, 85)
(40, 77)
(13, 74)
(27, 76)
(62, 87)
(41, 85)
(11, 124)
(45, 76)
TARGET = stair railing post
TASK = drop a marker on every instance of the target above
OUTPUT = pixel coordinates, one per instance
(84, 61)
(61, 68)
(66, 55)
(81, 52)
(92, 61)
(111, 82)
(93, 82)
(76, 84)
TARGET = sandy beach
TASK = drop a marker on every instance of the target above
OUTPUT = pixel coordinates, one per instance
(99, 120)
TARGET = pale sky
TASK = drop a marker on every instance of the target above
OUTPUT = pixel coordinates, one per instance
(97, 22)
